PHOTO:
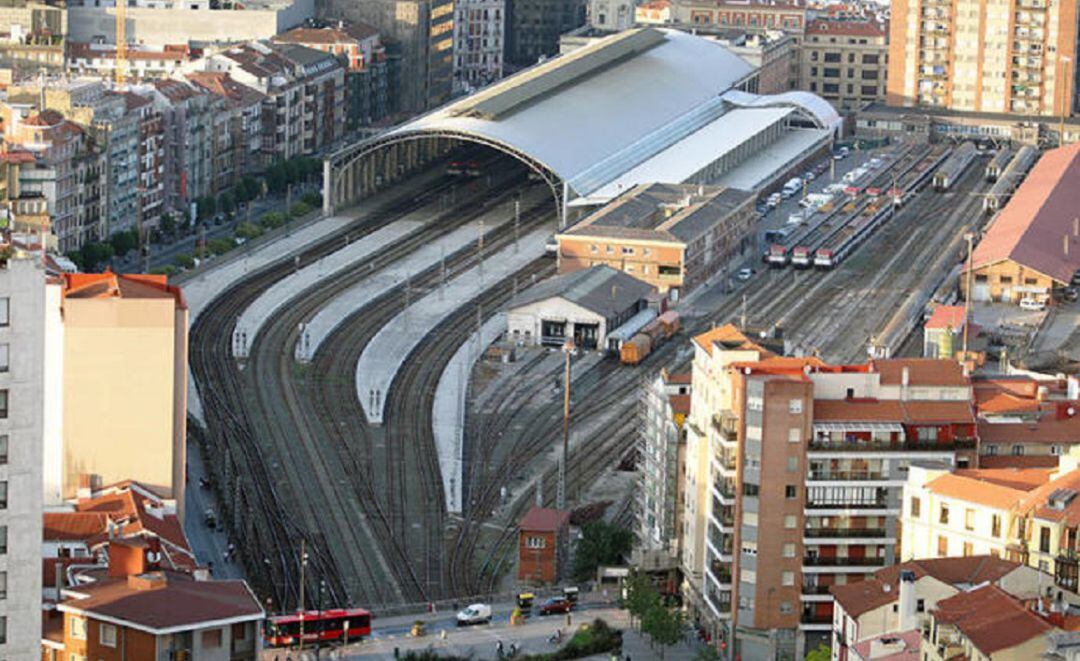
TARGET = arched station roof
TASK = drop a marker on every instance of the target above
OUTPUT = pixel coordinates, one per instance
(589, 116)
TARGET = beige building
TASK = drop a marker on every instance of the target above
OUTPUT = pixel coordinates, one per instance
(998, 56)
(845, 61)
(125, 382)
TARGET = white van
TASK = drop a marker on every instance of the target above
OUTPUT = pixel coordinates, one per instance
(792, 187)
(474, 614)
(1032, 305)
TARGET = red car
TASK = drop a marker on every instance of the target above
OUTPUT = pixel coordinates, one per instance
(556, 605)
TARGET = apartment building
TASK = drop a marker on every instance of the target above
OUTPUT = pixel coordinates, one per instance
(129, 331)
(845, 61)
(150, 160)
(186, 113)
(135, 609)
(672, 236)
(479, 28)
(24, 403)
(304, 89)
(1001, 56)
(665, 403)
(806, 462)
(359, 46)
(236, 136)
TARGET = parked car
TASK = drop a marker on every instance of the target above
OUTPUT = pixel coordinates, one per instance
(556, 605)
(744, 274)
(1071, 294)
(809, 176)
(795, 218)
(474, 614)
(1032, 305)
(774, 200)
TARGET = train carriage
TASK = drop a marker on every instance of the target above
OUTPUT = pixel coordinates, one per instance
(319, 626)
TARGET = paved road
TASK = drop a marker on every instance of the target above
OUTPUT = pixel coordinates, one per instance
(208, 545)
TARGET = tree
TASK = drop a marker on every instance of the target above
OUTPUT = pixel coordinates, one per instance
(184, 261)
(272, 219)
(206, 207)
(92, 254)
(312, 199)
(822, 653)
(663, 625)
(227, 202)
(299, 210)
(248, 230)
(124, 242)
(601, 543)
(275, 178)
(248, 189)
(707, 654)
(168, 224)
(292, 170)
(220, 246)
(641, 595)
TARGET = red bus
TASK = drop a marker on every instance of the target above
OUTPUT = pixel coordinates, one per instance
(328, 625)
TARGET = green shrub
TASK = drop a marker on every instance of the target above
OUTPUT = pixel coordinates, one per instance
(313, 200)
(167, 270)
(248, 230)
(300, 209)
(272, 220)
(184, 261)
(220, 246)
(590, 639)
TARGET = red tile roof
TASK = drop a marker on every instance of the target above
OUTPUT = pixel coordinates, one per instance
(74, 526)
(1052, 426)
(1023, 479)
(976, 490)
(864, 596)
(921, 372)
(1033, 226)
(680, 403)
(120, 285)
(162, 602)
(892, 410)
(728, 337)
(990, 618)
(543, 519)
(45, 118)
(903, 646)
(1038, 500)
(946, 316)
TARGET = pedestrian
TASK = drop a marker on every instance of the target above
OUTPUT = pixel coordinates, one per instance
(498, 649)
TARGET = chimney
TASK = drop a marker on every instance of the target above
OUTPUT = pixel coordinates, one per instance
(126, 558)
(146, 582)
(908, 618)
(85, 489)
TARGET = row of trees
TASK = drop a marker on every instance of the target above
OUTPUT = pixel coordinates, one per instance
(661, 623)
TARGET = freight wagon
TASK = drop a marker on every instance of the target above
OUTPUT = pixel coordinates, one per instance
(637, 348)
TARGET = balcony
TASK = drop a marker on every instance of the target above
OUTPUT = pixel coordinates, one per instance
(843, 562)
(816, 589)
(878, 504)
(845, 533)
(815, 618)
(727, 426)
(824, 445)
(842, 475)
(721, 571)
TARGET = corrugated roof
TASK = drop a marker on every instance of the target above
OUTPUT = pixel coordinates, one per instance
(990, 618)
(600, 289)
(921, 372)
(544, 519)
(1035, 224)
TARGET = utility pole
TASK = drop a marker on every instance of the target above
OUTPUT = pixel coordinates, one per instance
(970, 237)
(742, 317)
(568, 350)
(303, 566)
(1065, 59)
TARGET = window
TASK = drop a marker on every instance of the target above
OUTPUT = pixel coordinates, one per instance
(916, 507)
(789, 550)
(789, 521)
(830, 88)
(968, 549)
(4, 403)
(920, 606)
(3, 449)
(786, 608)
(3, 495)
(1055, 450)
(969, 519)
(748, 576)
(850, 58)
(749, 548)
(991, 449)
(1044, 539)
(3, 630)
(792, 464)
(869, 59)
(995, 525)
(789, 492)
(868, 90)
(5, 357)
(5, 311)
(794, 435)
(1017, 450)
(239, 632)
(749, 518)
(592, 248)
(535, 542)
(211, 639)
(3, 540)
(942, 546)
(943, 517)
(627, 251)
(78, 628)
(787, 578)
(1005, 279)
(107, 634)
(832, 57)
(830, 72)
(794, 406)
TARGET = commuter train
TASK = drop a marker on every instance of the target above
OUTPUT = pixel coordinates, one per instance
(325, 626)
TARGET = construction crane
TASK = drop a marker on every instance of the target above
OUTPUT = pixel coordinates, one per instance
(121, 42)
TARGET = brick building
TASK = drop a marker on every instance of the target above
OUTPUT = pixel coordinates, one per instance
(543, 545)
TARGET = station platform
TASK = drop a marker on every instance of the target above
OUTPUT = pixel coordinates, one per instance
(273, 299)
(383, 356)
(335, 312)
(448, 417)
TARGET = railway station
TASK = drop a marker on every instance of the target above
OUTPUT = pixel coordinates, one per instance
(642, 106)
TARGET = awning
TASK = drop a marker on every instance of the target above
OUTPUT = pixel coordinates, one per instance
(829, 427)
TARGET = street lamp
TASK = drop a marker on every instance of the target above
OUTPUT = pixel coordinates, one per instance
(303, 567)
(568, 350)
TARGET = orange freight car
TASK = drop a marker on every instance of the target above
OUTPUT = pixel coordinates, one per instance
(635, 349)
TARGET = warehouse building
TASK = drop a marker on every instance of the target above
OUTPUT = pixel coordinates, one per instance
(1033, 246)
(584, 306)
(672, 236)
